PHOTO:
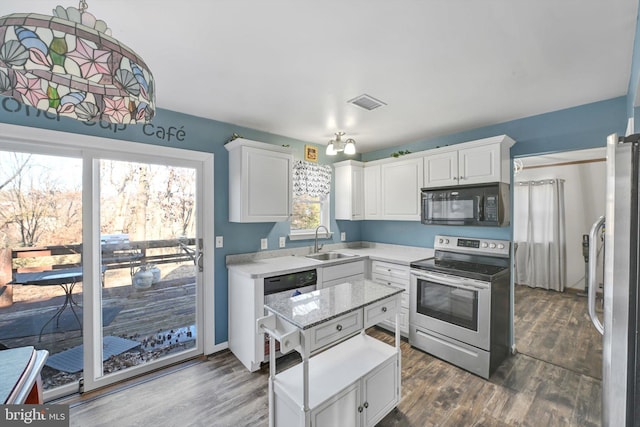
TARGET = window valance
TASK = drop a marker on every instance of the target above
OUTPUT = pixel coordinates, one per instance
(311, 178)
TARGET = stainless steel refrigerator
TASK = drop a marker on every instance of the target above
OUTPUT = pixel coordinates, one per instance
(621, 322)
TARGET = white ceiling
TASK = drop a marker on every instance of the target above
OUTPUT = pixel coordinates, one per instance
(289, 66)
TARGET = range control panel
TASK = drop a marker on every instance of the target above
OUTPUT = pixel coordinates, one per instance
(472, 245)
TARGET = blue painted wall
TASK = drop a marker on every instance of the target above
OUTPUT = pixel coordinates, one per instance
(179, 130)
(575, 128)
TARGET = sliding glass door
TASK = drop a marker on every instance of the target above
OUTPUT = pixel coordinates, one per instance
(103, 255)
(148, 235)
(41, 284)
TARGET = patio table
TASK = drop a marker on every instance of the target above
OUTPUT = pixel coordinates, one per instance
(66, 278)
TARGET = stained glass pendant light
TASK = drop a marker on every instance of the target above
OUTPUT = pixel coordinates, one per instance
(68, 64)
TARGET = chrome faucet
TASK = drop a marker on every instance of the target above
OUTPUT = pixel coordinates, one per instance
(317, 248)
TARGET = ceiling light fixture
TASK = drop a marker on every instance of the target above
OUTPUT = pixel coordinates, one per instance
(337, 145)
(68, 64)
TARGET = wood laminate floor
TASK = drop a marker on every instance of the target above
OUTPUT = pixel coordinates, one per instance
(524, 391)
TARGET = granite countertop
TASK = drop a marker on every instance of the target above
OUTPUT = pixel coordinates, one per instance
(313, 308)
(274, 264)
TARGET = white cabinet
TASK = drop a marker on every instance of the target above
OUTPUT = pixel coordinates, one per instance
(396, 275)
(364, 403)
(349, 191)
(441, 169)
(372, 192)
(480, 164)
(475, 162)
(392, 186)
(400, 189)
(351, 382)
(344, 407)
(246, 304)
(335, 274)
(379, 393)
(259, 181)
(392, 189)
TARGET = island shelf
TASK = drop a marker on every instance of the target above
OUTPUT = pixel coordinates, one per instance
(345, 375)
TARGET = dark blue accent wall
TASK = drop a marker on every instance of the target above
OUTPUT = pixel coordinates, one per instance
(575, 128)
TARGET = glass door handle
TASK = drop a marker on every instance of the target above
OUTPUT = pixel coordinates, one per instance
(200, 259)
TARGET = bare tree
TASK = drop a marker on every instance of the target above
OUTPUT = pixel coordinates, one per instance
(118, 179)
(177, 201)
(13, 169)
(36, 208)
(33, 207)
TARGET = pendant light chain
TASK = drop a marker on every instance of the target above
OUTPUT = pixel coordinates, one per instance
(82, 6)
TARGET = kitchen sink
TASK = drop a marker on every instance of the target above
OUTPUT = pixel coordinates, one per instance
(326, 256)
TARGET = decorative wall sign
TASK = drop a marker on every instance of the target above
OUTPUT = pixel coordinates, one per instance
(310, 153)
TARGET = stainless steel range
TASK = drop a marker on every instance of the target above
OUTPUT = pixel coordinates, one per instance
(460, 302)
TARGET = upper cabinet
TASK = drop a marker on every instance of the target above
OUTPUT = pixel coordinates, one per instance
(349, 191)
(372, 192)
(260, 188)
(392, 189)
(481, 161)
(400, 189)
(389, 189)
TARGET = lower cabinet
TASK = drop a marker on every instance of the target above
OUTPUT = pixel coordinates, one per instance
(340, 273)
(397, 275)
(341, 410)
(380, 393)
(362, 402)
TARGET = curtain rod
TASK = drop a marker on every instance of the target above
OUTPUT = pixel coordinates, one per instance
(575, 162)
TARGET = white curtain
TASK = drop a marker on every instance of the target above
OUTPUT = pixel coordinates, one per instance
(539, 232)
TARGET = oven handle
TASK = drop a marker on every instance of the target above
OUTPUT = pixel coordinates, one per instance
(450, 281)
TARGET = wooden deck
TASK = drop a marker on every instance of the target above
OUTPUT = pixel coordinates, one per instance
(166, 306)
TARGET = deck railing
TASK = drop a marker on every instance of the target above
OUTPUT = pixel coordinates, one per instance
(131, 255)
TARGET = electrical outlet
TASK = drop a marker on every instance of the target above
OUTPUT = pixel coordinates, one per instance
(282, 241)
(263, 244)
(219, 241)
(343, 236)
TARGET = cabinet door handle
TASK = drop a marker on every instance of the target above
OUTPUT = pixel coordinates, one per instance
(384, 309)
(455, 178)
(339, 327)
(359, 408)
(366, 404)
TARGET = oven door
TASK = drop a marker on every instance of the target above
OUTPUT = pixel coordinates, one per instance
(453, 306)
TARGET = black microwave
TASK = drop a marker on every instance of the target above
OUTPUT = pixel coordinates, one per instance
(480, 205)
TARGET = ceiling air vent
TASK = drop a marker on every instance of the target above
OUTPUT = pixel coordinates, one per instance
(367, 102)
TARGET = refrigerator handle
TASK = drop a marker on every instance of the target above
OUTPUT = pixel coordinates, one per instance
(593, 259)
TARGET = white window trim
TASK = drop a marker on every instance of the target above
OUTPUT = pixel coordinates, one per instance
(87, 147)
(306, 235)
(311, 234)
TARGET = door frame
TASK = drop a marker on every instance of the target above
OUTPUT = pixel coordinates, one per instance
(90, 149)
